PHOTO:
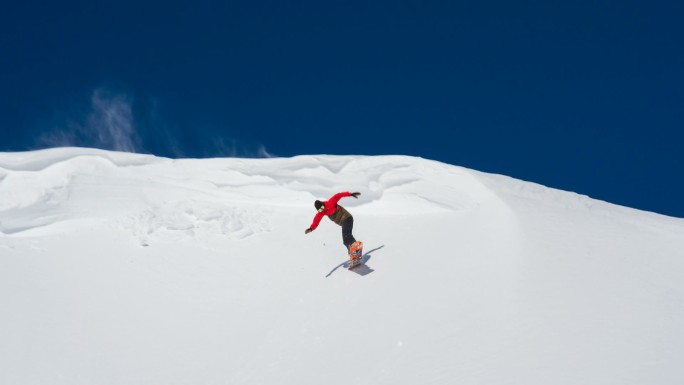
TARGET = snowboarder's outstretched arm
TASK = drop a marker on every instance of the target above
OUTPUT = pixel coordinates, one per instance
(336, 198)
(314, 224)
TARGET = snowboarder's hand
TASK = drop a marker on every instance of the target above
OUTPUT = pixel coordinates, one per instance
(307, 231)
(355, 194)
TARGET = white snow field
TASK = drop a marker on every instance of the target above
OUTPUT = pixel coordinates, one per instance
(120, 268)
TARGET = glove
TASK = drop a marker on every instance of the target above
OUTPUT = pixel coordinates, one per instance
(355, 194)
(307, 231)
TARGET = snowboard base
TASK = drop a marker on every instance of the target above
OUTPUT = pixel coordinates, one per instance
(355, 253)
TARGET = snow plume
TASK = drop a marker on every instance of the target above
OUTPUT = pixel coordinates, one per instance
(108, 125)
(233, 148)
(112, 122)
(263, 153)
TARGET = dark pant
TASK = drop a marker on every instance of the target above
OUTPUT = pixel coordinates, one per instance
(347, 237)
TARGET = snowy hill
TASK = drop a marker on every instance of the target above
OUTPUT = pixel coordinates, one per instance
(119, 268)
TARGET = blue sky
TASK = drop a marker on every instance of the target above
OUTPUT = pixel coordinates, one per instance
(585, 96)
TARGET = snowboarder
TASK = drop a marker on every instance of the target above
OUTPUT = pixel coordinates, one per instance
(337, 214)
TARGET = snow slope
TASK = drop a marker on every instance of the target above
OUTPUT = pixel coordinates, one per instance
(119, 268)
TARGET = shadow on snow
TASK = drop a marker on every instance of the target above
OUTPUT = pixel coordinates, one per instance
(362, 269)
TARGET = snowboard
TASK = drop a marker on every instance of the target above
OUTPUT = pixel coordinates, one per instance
(355, 253)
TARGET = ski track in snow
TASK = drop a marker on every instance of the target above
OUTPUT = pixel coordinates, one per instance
(120, 268)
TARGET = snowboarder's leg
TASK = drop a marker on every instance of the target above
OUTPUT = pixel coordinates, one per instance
(347, 237)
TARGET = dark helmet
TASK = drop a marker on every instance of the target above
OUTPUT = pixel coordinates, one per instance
(318, 205)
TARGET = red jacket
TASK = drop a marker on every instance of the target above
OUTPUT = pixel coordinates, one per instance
(330, 208)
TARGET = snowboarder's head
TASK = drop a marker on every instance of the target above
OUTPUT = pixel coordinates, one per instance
(319, 206)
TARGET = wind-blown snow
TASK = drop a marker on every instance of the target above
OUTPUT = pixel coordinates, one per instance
(119, 268)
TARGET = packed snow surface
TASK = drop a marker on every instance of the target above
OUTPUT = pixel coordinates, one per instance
(120, 268)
